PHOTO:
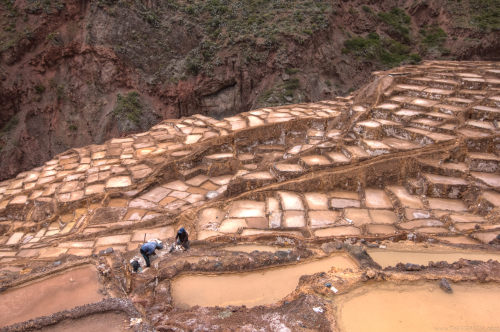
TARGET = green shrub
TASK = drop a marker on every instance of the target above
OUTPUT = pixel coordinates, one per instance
(129, 107)
(291, 71)
(291, 85)
(398, 22)
(39, 88)
(415, 58)
(387, 51)
(11, 124)
(485, 14)
(366, 9)
(60, 92)
(433, 36)
(193, 66)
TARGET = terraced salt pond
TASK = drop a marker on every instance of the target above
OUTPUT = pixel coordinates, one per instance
(63, 291)
(248, 248)
(389, 257)
(421, 307)
(250, 289)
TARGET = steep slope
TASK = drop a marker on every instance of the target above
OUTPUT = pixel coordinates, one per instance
(80, 72)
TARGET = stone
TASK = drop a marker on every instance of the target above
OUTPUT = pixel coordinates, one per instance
(445, 286)
(106, 251)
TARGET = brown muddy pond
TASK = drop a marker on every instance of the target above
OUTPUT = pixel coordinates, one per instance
(389, 257)
(420, 307)
(252, 288)
(63, 291)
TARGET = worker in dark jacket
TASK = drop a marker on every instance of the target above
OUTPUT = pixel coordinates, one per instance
(149, 248)
(182, 238)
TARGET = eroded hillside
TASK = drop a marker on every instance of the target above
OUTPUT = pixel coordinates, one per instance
(80, 72)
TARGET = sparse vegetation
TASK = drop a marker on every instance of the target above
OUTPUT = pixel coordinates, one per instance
(398, 23)
(11, 124)
(60, 92)
(259, 26)
(367, 9)
(433, 36)
(50, 7)
(39, 88)
(292, 71)
(129, 107)
(283, 93)
(482, 15)
(55, 38)
(485, 14)
(385, 50)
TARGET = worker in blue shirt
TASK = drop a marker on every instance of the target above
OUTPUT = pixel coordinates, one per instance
(149, 248)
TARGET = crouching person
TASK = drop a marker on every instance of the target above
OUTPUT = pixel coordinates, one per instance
(134, 262)
(182, 238)
(149, 248)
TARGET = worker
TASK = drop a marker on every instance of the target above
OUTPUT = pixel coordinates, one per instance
(182, 238)
(134, 262)
(149, 248)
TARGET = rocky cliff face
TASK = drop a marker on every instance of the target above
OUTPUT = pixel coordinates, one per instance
(76, 72)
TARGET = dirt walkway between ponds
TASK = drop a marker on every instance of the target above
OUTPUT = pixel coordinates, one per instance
(110, 322)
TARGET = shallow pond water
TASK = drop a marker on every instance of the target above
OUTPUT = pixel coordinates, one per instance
(251, 289)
